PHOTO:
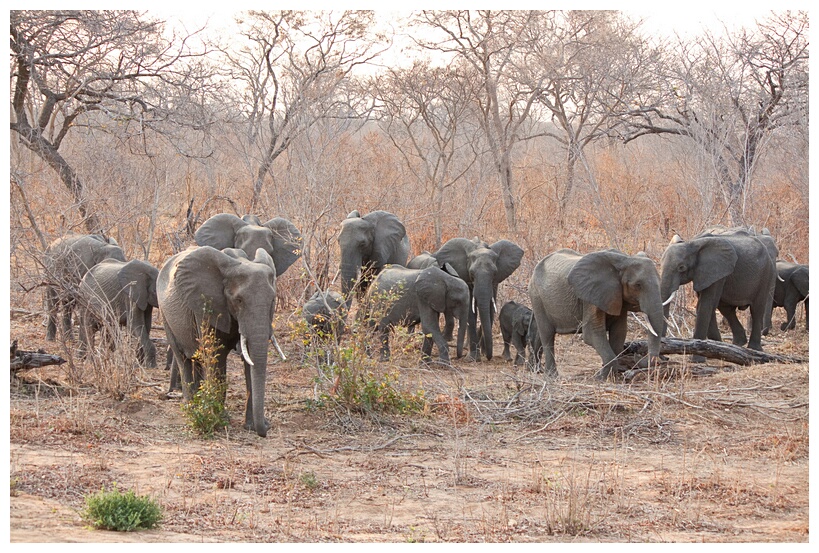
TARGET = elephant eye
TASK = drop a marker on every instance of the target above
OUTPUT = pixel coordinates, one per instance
(681, 268)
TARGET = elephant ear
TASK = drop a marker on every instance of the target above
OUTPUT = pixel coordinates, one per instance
(199, 278)
(138, 278)
(596, 280)
(801, 280)
(428, 286)
(219, 231)
(388, 235)
(287, 243)
(509, 256)
(716, 260)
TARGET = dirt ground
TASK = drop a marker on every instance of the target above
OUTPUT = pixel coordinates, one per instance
(695, 453)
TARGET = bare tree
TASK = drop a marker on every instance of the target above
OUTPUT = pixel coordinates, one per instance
(425, 112)
(729, 94)
(492, 43)
(89, 68)
(587, 63)
(292, 69)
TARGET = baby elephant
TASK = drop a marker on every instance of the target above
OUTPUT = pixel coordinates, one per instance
(401, 296)
(518, 328)
(326, 314)
(120, 293)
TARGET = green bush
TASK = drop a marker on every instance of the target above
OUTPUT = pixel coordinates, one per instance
(206, 412)
(122, 512)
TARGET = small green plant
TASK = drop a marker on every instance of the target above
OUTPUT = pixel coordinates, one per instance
(121, 512)
(206, 412)
(309, 480)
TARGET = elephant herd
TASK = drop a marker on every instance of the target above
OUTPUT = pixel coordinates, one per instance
(227, 284)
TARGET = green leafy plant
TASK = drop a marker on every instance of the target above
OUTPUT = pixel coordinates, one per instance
(121, 512)
(206, 412)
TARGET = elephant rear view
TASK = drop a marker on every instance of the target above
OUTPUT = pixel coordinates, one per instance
(593, 294)
(204, 288)
(67, 260)
(517, 328)
(119, 293)
(366, 245)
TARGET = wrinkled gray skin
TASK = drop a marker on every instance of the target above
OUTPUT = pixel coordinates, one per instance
(326, 314)
(67, 260)
(517, 327)
(593, 293)
(120, 293)
(278, 237)
(483, 268)
(792, 286)
(420, 296)
(730, 311)
(367, 244)
(728, 271)
(238, 298)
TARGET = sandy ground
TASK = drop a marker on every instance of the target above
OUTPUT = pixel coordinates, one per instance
(694, 454)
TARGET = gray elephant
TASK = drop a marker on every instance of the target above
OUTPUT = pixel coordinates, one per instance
(367, 244)
(518, 328)
(422, 261)
(483, 268)
(593, 293)
(119, 293)
(792, 286)
(728, 271)
(730, 311)
(414, 296)
(66, 261)
(236, 298)
(325, 314)
(278, 237)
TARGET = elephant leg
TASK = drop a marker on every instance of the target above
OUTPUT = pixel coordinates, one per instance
(790, 311)
(520, 349)
(706, 315)
(713, 329)
(139, 325)
(449, 326)
(618, 328)
(68, 312)
(472, 330)
(83, 347)
(737, 330)
(384, 332)
(52, 302)
(432, 333)
(594, 334)
(806, 314)
(757, 322)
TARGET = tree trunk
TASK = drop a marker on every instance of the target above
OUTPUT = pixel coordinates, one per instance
(713, 350)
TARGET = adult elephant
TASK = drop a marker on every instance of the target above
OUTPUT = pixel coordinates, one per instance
(593, 293)
(483, 268)
(792, 286)
(422, 261)
(401, 296)
(278, 237)
(67, 260)
(203, 287)
(119, 293)
(367, 244)
(728, 271)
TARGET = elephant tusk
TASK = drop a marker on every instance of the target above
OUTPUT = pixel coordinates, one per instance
(473, 304)
(276, 344)
(780, 278)
(651, 329)
(245, 354)
(494, 306)
(670, 298)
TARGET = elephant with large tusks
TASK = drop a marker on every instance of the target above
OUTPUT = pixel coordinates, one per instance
(593, 294)
(236, 299)
(67, 259)
(483, 267)
(278, 237)
(119, 293)
(728, 271)
(401, 296)
(367, 244)
(792, 286)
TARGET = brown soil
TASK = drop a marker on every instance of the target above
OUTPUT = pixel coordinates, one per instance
(499, 455)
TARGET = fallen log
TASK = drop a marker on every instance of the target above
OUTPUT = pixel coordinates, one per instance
(713, 350)
(21, 360)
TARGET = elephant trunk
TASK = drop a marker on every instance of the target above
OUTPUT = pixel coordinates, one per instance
(350, 273)
(668, 289)
(656, 323)
(257, 350)
(483, 300)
